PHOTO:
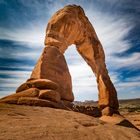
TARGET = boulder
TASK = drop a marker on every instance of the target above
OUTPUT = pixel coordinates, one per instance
(13, 98)
(51, 95)
(32, 92)
(22, 87)
(38, 83)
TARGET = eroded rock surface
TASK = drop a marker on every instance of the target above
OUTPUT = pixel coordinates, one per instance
(71, 26)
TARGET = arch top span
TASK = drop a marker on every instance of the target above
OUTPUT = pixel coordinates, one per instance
(70, 26)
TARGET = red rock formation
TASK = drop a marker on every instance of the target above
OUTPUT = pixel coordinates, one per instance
(66, 27)
(71, 26)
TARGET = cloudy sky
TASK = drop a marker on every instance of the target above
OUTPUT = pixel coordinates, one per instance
(117, 23)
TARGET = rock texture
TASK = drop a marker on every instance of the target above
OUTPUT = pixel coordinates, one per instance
(52, 65)
(37, 83)
(49, 95)
(71, 26)
(66, 27)
(41, 123)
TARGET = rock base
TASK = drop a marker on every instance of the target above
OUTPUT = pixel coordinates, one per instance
(36, 92)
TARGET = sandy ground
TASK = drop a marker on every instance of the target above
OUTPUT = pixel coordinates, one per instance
(43, 123)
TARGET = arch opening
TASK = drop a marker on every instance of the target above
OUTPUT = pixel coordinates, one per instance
(84, 85)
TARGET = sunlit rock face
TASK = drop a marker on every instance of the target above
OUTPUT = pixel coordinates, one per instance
(52, 65)
(66, 27)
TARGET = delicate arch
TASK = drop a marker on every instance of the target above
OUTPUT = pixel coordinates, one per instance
(70, 26)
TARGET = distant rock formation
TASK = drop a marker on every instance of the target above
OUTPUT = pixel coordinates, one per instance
(50, 79)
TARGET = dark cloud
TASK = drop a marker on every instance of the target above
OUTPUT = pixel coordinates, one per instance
(13, 54)
(126, 73)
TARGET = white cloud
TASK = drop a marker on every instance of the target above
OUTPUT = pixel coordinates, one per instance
(15, 73)
(15, 67)
(133, 79)
(30, 35)
(131, 61)
(128, 84)
(31, 55)
(82, 75)
(9, 85)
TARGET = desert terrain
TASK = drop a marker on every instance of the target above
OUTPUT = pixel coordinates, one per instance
(44, 123)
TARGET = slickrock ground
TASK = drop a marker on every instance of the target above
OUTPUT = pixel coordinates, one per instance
(43, 123)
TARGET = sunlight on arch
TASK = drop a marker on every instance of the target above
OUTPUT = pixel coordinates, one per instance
(83, 79)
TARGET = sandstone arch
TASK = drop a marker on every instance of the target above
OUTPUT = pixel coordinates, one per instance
(71, 26)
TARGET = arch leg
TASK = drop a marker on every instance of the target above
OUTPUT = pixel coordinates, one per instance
(94, 56)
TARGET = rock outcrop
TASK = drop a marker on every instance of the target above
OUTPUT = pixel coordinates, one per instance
(66, 27)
